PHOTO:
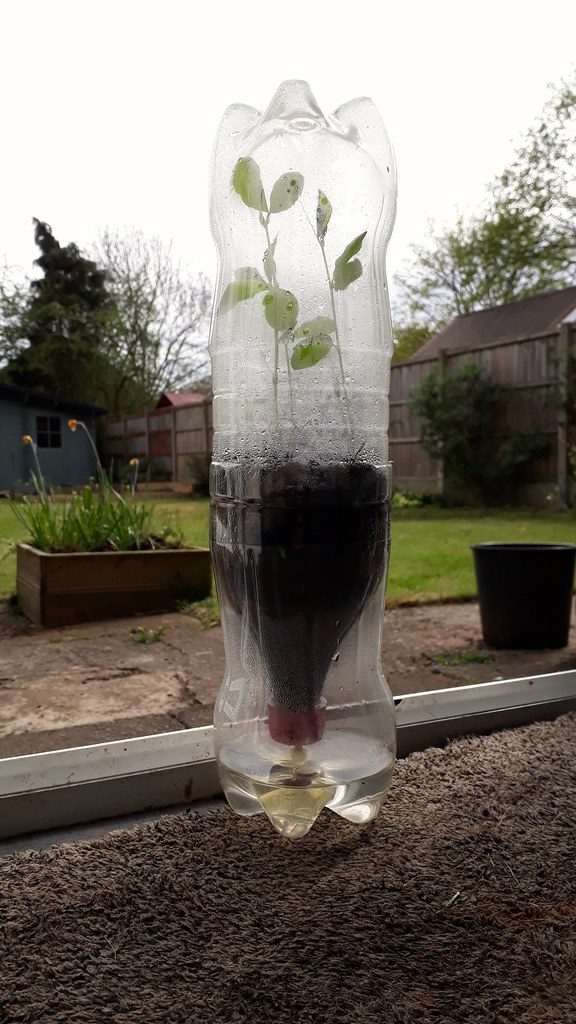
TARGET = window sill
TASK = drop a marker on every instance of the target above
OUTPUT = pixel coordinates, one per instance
(124, 777)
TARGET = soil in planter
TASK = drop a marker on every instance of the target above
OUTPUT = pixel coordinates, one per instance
(302, 562)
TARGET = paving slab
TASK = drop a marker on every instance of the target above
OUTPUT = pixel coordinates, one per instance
(96, 682)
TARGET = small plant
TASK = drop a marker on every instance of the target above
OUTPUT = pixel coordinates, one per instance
(98, 518)
(207, 612)
(410, 499)
(468, 658)
(307, 343)
(456, 413)
(199, 466)
(142, 635)
(148, 471)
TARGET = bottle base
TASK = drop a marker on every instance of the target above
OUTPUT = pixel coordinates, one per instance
(293, 802)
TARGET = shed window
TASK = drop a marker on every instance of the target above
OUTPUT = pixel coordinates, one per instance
(48, 432)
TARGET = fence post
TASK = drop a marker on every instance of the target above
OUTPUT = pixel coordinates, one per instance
(174, 461)
(147, 434)
(442, 364)
(562, 437)
(205, 424)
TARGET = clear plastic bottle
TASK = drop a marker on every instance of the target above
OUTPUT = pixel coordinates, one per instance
(302, 209)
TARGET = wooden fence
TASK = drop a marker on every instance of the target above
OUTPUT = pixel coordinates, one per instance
(534, 368)
(175, 439)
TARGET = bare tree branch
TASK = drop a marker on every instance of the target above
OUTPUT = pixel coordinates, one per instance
(159, 340)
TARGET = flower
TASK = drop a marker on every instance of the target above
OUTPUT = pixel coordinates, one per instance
(27, 439)
(73, 424)
(134, 462)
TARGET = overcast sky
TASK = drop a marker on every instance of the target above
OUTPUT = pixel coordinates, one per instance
(109, 109)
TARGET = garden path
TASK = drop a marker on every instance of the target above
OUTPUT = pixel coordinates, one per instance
(102, 681)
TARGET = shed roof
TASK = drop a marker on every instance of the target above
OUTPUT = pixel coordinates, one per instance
(13, 392)
(180, 398)
(534, 315)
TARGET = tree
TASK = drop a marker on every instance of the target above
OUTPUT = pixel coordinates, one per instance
(457, 412)
(158, 339)
(14, 298)
(52, 327)
(522, 243)
(202, 383)
(540, 178)
(408, 339)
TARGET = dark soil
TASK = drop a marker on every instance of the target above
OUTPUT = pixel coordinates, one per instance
(303, 560)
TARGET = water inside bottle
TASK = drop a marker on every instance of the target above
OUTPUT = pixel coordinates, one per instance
(300, 551)
(345, 771)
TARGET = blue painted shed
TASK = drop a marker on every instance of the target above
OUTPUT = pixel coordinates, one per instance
(66, 458)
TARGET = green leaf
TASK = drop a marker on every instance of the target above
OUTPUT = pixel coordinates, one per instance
(247, 283)
(323, 214)
(270, 262)
(281, 309)
(346, 269)
(286, 191)
(312, 328)
(311, 352)
(247, 183)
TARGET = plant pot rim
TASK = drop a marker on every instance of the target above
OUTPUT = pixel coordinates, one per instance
(103, 554)
(525, 547)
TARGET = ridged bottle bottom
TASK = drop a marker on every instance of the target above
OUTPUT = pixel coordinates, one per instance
(292, 785)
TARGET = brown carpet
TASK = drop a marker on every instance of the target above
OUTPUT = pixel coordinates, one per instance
(212, 919)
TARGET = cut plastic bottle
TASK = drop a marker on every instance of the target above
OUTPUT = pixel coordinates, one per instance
(302, 210)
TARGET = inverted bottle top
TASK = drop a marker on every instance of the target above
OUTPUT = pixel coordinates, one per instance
(302, 208)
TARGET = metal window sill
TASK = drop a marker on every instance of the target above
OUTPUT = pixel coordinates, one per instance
(150, 775)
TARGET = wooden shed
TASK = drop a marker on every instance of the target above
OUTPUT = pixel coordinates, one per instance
(66, 458)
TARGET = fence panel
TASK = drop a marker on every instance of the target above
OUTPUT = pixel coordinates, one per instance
(528, 366)
(174, 438)
(181, 437)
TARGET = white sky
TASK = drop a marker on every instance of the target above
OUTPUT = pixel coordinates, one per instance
(109, 109)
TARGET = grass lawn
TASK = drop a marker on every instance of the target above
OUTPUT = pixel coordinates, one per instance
(431, 558)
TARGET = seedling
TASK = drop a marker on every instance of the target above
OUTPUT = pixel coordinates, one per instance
(307, 343)
(142, 635)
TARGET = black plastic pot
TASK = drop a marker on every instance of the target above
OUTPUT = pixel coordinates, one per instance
(525, 593)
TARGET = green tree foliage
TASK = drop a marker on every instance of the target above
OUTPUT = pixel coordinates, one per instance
(115, 328)
(523, 241)
(52, 329)
(541, 179)
(408, 339)
(457, 413)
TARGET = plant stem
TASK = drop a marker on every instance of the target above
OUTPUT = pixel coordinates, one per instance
(265, 222)
(337, 336)
(40, 477)
(103, 480)
(289, 372)
(93, 446)
(336, 332)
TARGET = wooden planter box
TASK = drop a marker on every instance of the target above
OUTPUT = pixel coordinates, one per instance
(58, 590)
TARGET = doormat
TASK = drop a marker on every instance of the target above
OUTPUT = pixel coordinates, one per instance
(457, 905)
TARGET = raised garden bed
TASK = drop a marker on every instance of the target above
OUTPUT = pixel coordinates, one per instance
(62, 589)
